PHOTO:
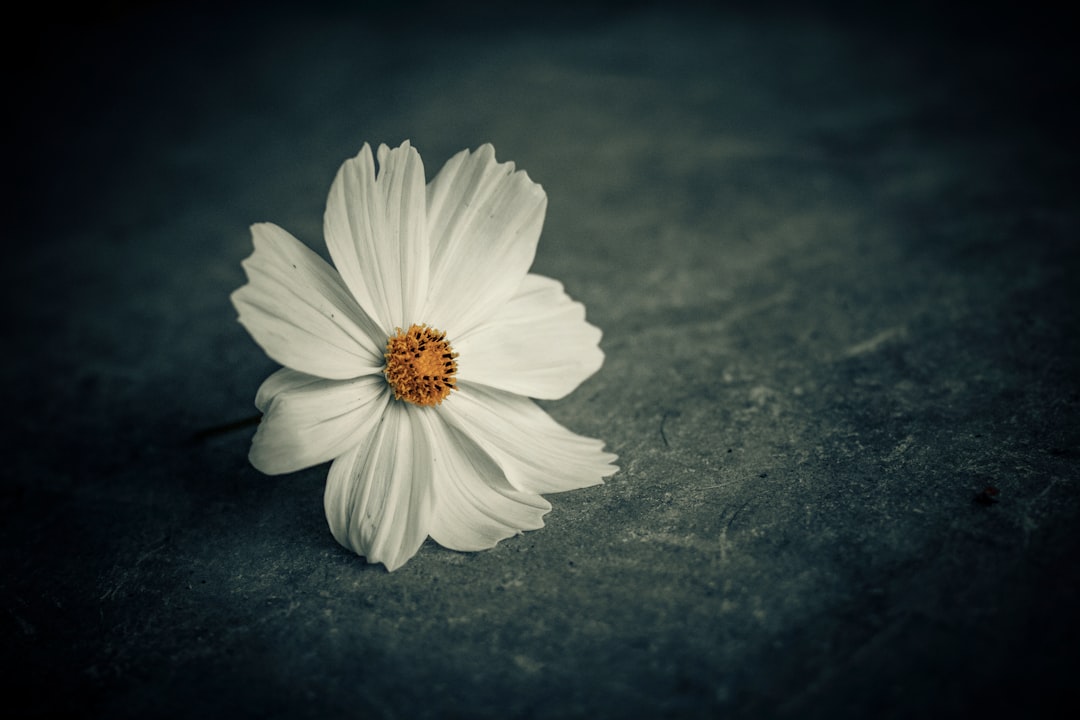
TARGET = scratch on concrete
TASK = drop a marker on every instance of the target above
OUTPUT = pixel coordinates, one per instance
(688, 541)
(871, 345)
(901, 448)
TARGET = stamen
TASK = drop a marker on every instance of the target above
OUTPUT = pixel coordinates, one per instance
(420, 365)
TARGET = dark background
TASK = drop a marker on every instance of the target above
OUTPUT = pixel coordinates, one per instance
(834, 253)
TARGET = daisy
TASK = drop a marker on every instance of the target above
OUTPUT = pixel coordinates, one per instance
(410, 363)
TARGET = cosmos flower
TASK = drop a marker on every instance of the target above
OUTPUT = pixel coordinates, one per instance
(410, 363)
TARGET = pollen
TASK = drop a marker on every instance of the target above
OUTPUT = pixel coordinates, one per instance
(420, 365)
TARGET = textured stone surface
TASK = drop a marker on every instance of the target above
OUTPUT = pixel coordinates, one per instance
(834, 260)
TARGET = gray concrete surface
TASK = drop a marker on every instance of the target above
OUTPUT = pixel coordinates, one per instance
(834, 256)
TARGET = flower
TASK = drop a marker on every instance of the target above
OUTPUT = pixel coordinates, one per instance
(410, 363)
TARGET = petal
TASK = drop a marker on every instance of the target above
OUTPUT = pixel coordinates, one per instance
(283, 380)
(297, 308)
(309, 420)
(537, 345)
(376, 231)
(378, 495)
(535, 452)
(475, 507)
(484, 221)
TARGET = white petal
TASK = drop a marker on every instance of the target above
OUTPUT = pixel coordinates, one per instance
(484, 221)
(309, 420)
(284, 380)
(475, 507)
(297, 308)
(537, 345)
(535, 452)
(378, 496)
(376, 231)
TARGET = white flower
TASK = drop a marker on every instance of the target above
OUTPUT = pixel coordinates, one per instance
(412, 363)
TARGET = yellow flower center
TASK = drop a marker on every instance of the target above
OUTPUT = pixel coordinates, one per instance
(420, 365)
